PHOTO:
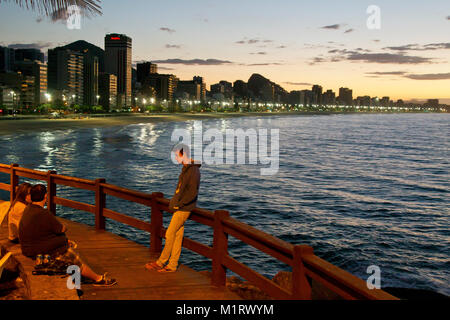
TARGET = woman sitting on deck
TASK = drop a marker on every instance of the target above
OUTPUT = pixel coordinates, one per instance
(16, 210)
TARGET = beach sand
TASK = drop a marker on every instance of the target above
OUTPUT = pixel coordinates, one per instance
(17, 126)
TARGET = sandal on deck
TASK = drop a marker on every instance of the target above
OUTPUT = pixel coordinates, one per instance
(105, 282)
(153, 266)
(166, 270)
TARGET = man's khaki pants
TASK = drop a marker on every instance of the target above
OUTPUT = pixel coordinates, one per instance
(174, 239)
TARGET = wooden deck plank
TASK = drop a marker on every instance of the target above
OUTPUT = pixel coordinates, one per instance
(124, 260)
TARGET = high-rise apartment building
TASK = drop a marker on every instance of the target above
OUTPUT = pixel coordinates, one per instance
(199, 81)
(118, 57)
(27, 92)
(29, 54)
(66, 75)
(107, 86)
(223, 87)
(144, 69)
(306, 98)
(164, 84)
(192, 88)
(363, 101)
(317, 95)
(38, 70)
(385, 102)
(329, 98)
(21, 89)
(433, 103)
(93, 60)
(294, 97)
(90, 78)
(345, 96)
(7, 59)
(240, 88)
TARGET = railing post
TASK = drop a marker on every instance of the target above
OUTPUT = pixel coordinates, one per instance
(100, 204)
(301, 289)
(156, 220)
(220, 249)
(14, 181)
(51, 193)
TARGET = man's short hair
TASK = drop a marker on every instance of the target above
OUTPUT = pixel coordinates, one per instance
(182, 149)
(38, 193)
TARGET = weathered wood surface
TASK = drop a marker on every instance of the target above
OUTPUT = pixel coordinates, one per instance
(124, 260)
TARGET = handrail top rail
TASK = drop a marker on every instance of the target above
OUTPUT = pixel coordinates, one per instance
(261, 236)
(73, 179)
(135, 193)
(345, 278)
(36, 172)
(200, 211)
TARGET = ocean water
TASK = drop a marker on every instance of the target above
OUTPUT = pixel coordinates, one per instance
(362, 190)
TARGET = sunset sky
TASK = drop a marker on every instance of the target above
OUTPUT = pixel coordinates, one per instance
(292, 42)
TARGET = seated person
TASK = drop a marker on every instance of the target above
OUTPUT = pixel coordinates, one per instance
(16, 210)
(41, 233)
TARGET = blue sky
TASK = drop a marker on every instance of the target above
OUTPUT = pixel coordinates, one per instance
(283, 40)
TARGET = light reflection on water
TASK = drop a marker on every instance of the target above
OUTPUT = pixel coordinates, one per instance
(361, 189)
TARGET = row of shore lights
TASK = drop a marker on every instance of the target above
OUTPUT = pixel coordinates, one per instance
(48, 96)
(152, 101)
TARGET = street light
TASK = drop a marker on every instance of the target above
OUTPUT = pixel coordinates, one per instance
(98, 97)
(48, 96)
(13, 94)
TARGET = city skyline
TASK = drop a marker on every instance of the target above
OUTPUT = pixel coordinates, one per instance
(327, 44)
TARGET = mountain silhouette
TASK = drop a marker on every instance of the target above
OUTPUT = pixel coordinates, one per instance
(266, 90)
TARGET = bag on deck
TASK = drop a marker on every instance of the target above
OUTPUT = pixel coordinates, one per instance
(52, 268)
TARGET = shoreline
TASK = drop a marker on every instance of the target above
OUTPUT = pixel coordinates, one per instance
(28, 124)
(21, 125)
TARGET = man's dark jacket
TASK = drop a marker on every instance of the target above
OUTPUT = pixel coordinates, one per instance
(40, 232)
(186, 194)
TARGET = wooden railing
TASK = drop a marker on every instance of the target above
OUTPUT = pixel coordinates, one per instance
(305, 265)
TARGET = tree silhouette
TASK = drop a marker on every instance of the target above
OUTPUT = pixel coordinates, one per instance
(52, 7)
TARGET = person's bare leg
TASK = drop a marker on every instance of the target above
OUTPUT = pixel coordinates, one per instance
(88, 273)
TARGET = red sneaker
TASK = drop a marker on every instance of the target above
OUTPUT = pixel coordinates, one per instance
(153, 266)
(166, 270)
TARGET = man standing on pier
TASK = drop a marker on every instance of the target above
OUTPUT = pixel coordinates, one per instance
(183, 202)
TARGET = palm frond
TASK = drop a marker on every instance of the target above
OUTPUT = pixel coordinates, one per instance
(48, 7)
